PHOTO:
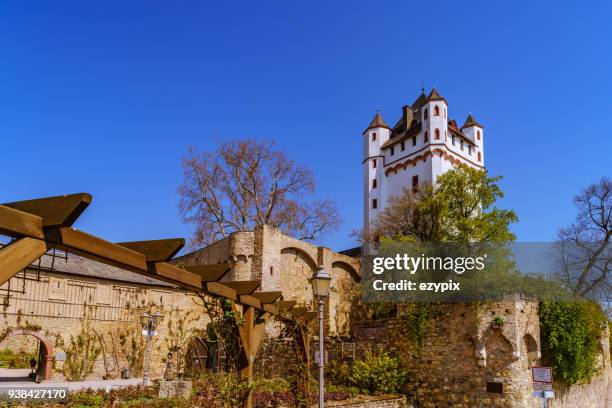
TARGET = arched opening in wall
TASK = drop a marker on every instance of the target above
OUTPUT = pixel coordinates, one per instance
(499, 351)
(203, 355)
(530, 349)
(297, 268)
(25, 355)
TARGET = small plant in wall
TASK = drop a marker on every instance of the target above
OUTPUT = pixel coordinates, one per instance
(498, 322)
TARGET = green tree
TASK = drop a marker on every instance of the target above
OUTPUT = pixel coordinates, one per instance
(458, 207)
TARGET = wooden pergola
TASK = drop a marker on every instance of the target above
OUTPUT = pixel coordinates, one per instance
(40, 225)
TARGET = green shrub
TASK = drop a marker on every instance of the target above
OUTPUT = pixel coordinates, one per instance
(377, 374)
(570, 333)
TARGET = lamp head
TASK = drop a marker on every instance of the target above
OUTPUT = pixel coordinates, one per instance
(321, 281)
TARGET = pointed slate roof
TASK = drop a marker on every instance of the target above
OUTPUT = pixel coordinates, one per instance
(377, 122)
(420, 101)
(470, 121)
(435, 96)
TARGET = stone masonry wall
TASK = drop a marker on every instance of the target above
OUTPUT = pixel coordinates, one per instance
(53, 307)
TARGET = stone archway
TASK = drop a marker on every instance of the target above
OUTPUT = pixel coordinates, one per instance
(45, 356)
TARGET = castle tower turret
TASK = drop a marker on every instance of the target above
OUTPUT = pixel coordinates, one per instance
(475, 132)
(435, 124)
(374, 136)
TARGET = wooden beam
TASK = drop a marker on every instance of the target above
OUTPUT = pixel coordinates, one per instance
(55, 211)
(243, 287)
(250, 300)
(270, 308)
(97, 249)
(308, 316)
(285, 305)
(159, 250)
(219, 289)
(267, 297)
(166, 270)
(297, 312)
(209, 273)
(17, 223)
(18, 255)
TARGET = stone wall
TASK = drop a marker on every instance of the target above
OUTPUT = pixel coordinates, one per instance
(371, 402)
(54, 305)
(282, 263)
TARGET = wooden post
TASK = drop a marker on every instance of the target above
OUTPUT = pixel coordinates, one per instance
(249, 329)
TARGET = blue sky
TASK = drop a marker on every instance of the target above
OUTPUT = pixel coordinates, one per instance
(106, 96)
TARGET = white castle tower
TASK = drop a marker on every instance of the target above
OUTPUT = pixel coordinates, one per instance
(423, 144)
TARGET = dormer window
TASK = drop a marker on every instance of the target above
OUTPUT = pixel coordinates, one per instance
(436, 110)
(426, 137)
(374, 137)
(437, 134)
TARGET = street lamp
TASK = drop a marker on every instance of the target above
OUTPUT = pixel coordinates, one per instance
(149, 322)
(320, 288)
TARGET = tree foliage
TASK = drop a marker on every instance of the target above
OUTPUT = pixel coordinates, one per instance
(458, 207)
(245, 184)
(570, 334)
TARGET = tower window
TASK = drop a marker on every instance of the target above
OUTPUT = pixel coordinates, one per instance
(445, 136)
(414, 140)
(425, 114)
(271, 270)
(392, 150)
(403, 146)
(437, 134)
(374, 183)
(479, 158)
(478, 135)
(415, 184)
(444, 113)
(426, 137)
(374, 163)
(374, 137)
(436, 110)
(374, 203)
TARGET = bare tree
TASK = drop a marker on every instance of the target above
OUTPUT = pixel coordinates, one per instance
(245, 184)
(585, 245)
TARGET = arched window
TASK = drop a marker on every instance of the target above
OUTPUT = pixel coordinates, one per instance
(479, 156)
(478, 135)
(436, 110)
(426, 137)
(373, 137)
(437, 134)
(425, 115)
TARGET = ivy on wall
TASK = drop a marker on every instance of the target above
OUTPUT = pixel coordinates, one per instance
(570, 333)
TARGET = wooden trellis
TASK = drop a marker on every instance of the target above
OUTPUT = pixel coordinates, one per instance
(42, 224)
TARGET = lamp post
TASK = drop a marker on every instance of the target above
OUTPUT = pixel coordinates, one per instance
(149, 322)
(320, 288)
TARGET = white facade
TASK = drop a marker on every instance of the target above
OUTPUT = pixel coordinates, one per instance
(421, 146)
